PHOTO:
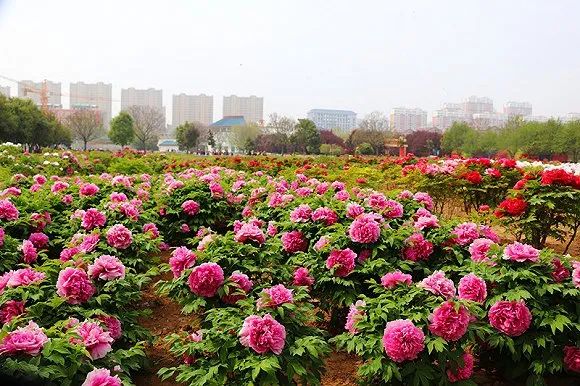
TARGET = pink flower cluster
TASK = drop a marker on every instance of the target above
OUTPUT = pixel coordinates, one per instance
(294, 241)
(520, 252)
(101, 377)
(325, 215)
(449, 323)
(119, 236)
(301, 213)
(275, 296)
(27, 340)
(74, 285)
(240, 285)
(472, 287)
(402, 340)
(181, 259)
(417, 247)
(342, 261)
(302, 277)
(392, 279)
(190, 207)
(461, 372)
(263, 334)
(93, 218)
(206, 279)
(10, 310)
(95, 339)
(107, 267)
(364, 229)
(479, 248)
(512, 318)
(355, 313)
(465, 233)
(438, 284)
(8, 211)
(250, 232)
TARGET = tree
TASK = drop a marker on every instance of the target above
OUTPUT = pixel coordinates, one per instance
(456, 137)
(375, 121)
(21, 121)
(242, 136)
(122, 132)
(306, 138)
(375, 138)
(211, 139)
(272, 143)
(85, 126)
(148, 123)
(568, 140)
(187, 135)
(281, 124)
(328, 137)
(423, 142)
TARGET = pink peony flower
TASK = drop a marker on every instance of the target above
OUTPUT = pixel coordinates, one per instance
(393, 209)
(29, 252)
(392, 279)
(487, 232)
(10, 310)
(95, 339)
(74, 285)
(27, 340)
(39, 239)
(240, 288)
(151, 228)
(23, 277)
(101, 377)
(181, 259)
(263, 334)
(342, 261)
(479, 248)
(206, 279)
(402, 340)
(353, 210)
(302, 277)
(8, 211)
(438, 284)
(461, 372)
(355, 313)
(301, 214)
(364, 229)
(576, 274)
(275, 296)
(465, 233)
(342, 195)
(216, 189)
(112, 324)
(520, 252)
(92, 218)
(426, 221)
(425, 199)
(572, 358)
(250, 232)
(448, 323)
(2, 235)
(512, 318)
(88, 189)
(67, 199)
(119, 236)
(294, 241)
(472, 287)
(107, 267)
(417, 247)
(325, 215)
(184, 228)
(405, 195)
(190, 207)
(322, 242)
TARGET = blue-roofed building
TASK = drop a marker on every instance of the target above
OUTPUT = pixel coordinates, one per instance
(168, 145)
(222, 129)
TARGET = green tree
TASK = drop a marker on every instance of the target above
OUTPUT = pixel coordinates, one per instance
(122, 132)
(568, 140)
(375, 138)
(243, 136)
(457, 137)
(187, 135)
(306, 137)
(211, 140)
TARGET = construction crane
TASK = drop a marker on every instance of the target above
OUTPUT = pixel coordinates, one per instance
(42, 92)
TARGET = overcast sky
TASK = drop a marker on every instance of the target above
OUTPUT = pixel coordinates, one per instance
(357, 55)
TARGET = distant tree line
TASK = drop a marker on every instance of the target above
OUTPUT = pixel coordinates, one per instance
(543, 140)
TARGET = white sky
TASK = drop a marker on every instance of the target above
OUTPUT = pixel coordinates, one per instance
(358, 55)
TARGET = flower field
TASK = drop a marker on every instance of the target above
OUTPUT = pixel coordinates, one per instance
(425, 271)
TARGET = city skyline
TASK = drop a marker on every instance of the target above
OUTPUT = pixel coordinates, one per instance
(411, 60)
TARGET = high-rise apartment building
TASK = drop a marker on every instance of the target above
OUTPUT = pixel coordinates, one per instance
(31, 90)
(488, 120)
(406, 120)
(477, 105)
(513, 109)
(570, 117)
(192, 108)
(134, 97)
(326, 119)
(92, 95)
(448, 115)
(5, 91)
(251, 108)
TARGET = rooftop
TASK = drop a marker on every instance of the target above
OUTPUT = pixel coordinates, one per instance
(229, 121)
(168, 142)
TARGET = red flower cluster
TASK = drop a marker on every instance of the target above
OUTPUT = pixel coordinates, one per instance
(560, 177)
(512, 207)
(473, 176)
